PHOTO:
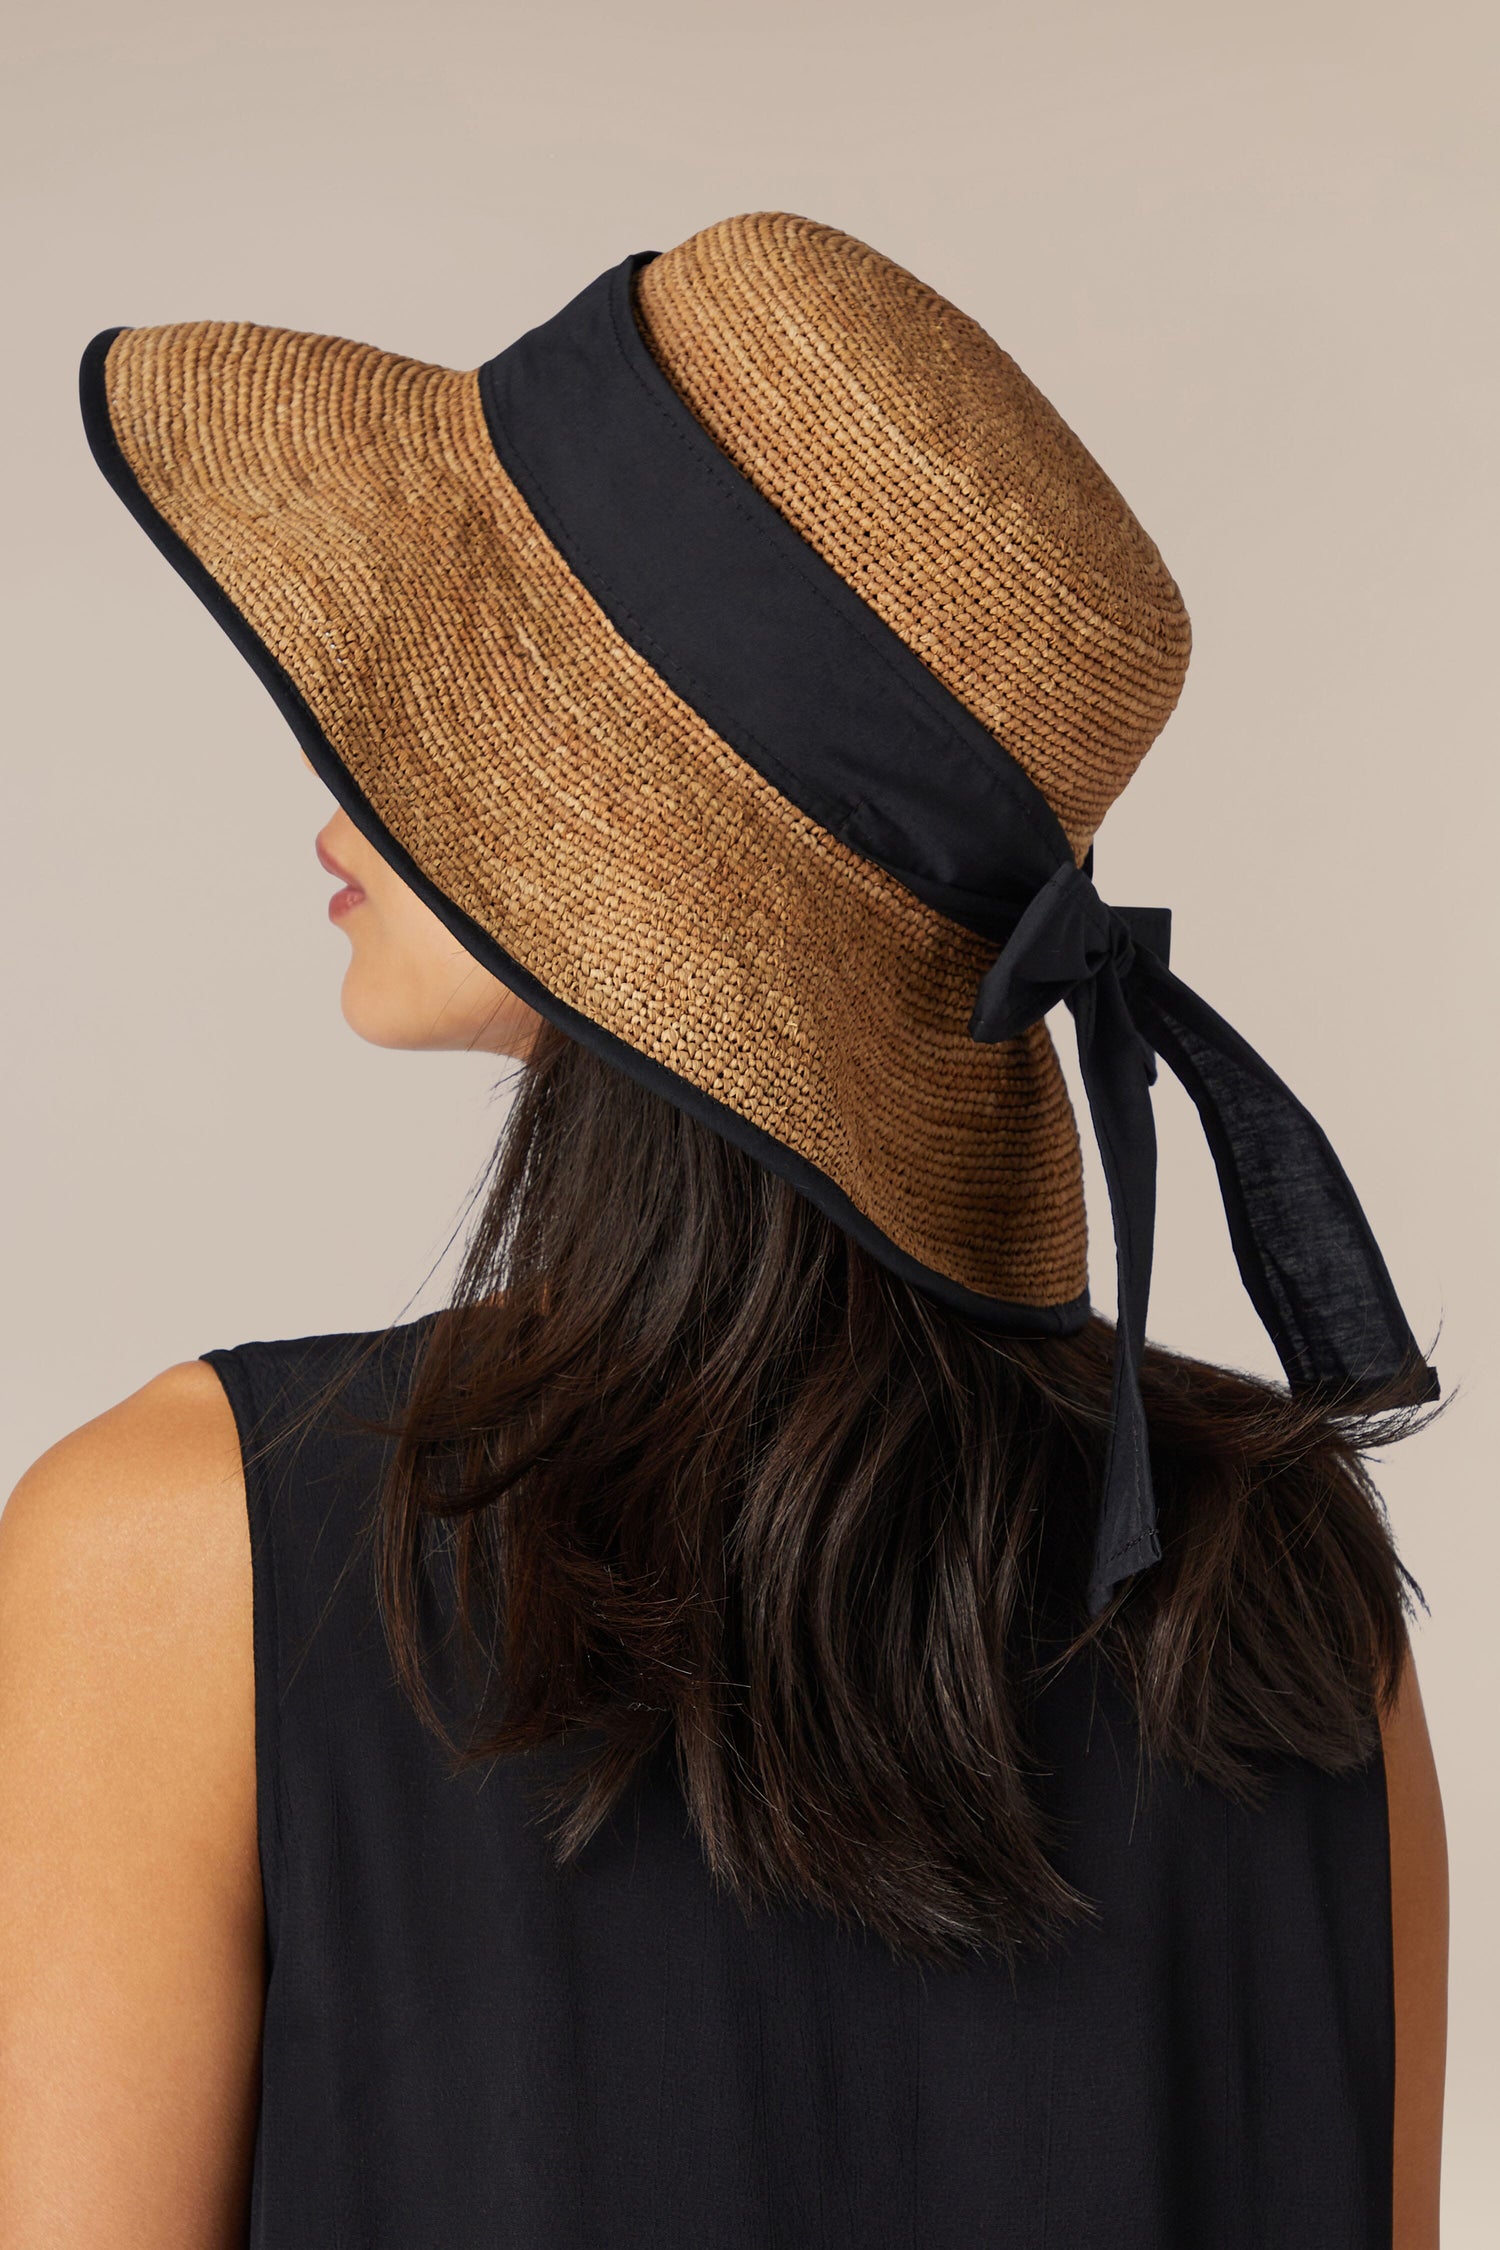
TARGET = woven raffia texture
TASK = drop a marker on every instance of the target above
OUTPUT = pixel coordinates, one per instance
(912, 452)
(538, 770)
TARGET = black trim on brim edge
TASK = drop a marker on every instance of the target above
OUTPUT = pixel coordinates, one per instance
(819, 1190)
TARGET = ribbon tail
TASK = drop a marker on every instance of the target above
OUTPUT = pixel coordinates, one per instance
(1305, 1251)
(1117, 1071)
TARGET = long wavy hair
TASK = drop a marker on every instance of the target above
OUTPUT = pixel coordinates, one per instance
(706, 1481)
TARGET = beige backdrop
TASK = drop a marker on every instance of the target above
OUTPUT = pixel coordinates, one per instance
(1250, 255)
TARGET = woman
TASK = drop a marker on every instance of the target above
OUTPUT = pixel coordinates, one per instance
(766, 1722)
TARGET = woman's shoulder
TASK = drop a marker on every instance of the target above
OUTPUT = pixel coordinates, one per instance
(129, 1569)
(128, 1857)
(125, 1549)
(167, 1463)
(125, 1587)
(110, 1507)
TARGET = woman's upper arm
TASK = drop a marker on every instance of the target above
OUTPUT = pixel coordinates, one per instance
(131, 1945)
(1419, 1931)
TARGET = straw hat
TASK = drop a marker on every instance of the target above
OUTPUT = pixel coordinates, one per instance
(733, 662)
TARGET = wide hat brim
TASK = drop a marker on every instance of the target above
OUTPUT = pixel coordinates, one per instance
(573, 819)
(740, 664)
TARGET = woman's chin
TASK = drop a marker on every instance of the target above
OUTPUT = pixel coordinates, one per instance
(369, 1009)
(441, 1014)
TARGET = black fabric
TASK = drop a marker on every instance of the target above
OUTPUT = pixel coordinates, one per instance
(1303, 1244)
(463, 2045)
(1309, 1261)
(1070, 946)
(699, 573)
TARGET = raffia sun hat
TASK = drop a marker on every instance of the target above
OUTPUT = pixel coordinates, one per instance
(741, 665)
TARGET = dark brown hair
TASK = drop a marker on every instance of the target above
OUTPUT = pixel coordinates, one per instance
(706, 1481)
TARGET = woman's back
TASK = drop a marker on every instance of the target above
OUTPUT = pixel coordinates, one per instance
(463, 2041)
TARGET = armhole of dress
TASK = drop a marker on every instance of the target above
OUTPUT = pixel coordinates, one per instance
(266, 1629)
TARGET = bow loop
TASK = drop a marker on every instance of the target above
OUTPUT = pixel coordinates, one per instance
(1303, 1245)
(1065, 938)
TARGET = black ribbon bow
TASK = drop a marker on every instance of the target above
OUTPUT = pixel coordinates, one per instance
(1302, 1243)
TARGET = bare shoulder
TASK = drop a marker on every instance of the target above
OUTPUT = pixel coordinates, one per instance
(1419, 1934)
(124, 1557)
(125, 1568)
(156, 1448)
(131, 1954)
(176, 1420)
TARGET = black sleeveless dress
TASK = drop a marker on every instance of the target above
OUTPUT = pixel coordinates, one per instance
(464, 2046)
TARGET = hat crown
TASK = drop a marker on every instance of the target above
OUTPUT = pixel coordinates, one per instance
(919, 461)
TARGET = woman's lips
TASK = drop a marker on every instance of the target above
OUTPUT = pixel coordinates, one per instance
(342, 902)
